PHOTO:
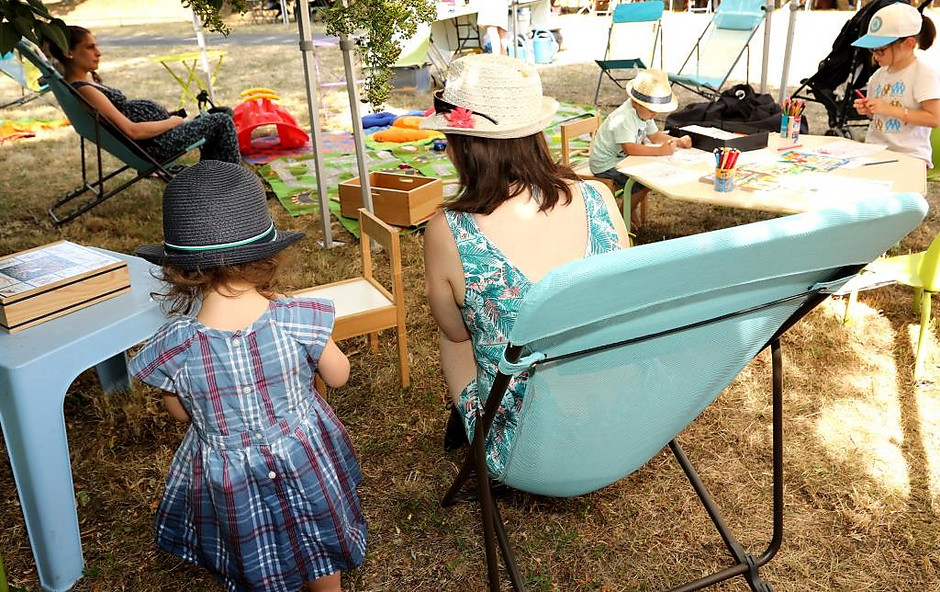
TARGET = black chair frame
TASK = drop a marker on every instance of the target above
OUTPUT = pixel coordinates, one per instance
(745, 564)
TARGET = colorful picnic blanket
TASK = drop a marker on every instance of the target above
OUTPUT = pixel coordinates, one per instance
(15, 129)
(293, 177)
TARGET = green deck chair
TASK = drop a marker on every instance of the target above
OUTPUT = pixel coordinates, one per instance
(103, 135)
(612, 379)
(623, 28)
(725, 39)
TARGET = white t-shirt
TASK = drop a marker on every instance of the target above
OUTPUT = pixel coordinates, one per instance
(907, 88)
(623, 126)
(492, 13)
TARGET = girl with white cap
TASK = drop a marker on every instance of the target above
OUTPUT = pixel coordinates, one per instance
(903, 99)
(631, 131)
(518, 215)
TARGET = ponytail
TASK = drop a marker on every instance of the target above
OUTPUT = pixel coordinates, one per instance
(928, 32)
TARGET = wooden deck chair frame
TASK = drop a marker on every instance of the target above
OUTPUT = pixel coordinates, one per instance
(575, 128)
(620, 70)
(363, 305)
(103, 135)
(744, 16)
(780, 273)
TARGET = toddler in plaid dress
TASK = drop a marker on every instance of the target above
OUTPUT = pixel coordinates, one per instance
(262, 491)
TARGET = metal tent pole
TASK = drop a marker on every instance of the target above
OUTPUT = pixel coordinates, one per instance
(765, 59)
(347, 46)
(313, 110)
(785, 73)
(203, 57)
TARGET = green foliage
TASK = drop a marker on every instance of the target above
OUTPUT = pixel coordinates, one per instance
(29, 19)
(383, 24)
(209, 12)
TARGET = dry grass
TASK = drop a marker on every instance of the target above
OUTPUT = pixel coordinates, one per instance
(863, 442)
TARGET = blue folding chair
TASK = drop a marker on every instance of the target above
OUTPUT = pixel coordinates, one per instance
(719, 48)
(624, 24)
(612, 380)
(104, 135)
(32, 86)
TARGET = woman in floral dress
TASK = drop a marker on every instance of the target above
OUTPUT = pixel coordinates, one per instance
(518, 215)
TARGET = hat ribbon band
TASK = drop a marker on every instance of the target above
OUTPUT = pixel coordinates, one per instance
(268, 235)
(649, 99)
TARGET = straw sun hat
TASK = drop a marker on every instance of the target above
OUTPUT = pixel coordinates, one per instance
(216, 213)
(651, 89)
(491, 96)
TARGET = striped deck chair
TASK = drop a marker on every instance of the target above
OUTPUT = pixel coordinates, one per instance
(719, 48)
(614, 379)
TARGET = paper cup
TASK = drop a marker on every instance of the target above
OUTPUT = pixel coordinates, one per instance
(724, 180)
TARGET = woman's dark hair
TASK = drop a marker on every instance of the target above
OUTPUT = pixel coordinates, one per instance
(927, 35)
(186, 287)
(76, 35)
(492, 171)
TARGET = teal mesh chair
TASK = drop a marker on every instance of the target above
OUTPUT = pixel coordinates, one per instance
(614, 379)
(102, 135)
(624, 22)
(719, 48)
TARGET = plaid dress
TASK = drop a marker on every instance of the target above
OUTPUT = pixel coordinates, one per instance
(262, 490)
(494, 290)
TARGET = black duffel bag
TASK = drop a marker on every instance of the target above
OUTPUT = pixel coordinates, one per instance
(740, 103)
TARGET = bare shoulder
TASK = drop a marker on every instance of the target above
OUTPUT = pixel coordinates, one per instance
(437, 231)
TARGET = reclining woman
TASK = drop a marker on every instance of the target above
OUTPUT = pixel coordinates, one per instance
(146, 122)
(518, 215)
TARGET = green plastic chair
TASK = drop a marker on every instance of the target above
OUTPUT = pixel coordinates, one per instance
(103, 135)
(3, 578)
(612, 380)
(934, 173)
(920, 271)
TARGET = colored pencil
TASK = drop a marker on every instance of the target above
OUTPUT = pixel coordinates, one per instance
(789, 147)
(881, 162)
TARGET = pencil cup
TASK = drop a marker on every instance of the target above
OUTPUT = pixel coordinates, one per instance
(784, 126)
(795, 121)
(724, 180)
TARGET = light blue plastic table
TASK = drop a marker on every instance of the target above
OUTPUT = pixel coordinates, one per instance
(37, 366)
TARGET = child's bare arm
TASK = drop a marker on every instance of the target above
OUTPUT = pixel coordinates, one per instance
(175, 408)
(634, 149)
(333, 366)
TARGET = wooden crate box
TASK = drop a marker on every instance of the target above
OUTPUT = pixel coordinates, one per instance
(400, 200)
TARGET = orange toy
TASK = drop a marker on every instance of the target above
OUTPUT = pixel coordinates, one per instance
(401, 134)
(257, 110)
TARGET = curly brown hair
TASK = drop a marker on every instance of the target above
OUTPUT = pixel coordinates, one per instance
(186, 287)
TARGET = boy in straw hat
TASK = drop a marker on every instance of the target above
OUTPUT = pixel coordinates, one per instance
(626, 131)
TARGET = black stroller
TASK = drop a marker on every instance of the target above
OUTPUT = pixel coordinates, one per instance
(846, 65)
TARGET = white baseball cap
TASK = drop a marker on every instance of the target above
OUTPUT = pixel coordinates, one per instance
(893, 22)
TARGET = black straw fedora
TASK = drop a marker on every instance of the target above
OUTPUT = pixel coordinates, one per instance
(216, 213)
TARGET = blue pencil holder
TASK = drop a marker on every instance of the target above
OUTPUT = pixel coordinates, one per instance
(784, 126)
(724, 180)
